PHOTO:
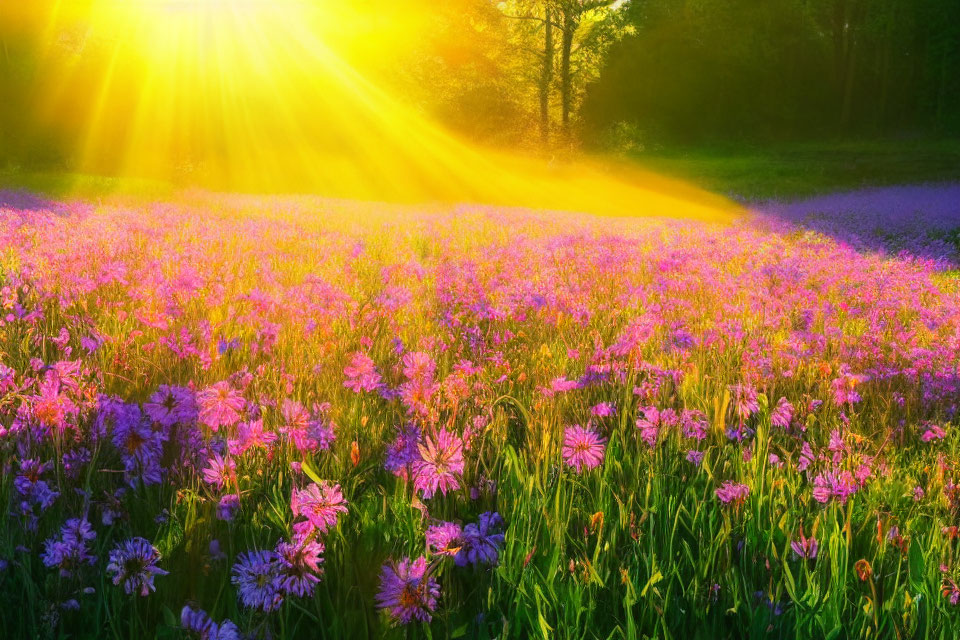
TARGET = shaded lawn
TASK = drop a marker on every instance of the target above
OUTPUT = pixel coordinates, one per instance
(801, 170)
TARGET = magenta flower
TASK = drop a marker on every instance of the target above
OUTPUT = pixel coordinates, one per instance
(782, 414)
(652, 421)
(583, 448)
(805, 547)
(407, 591)
(252, 435)
(745, 401)
(320, 505)
(445, 539)
(839, 486)
(220, 405)
(362, 374)
(220, 472)
(440, 464)
(932, 432)
(300, 568)
(306, 432)
(694, 424)
(733, 492)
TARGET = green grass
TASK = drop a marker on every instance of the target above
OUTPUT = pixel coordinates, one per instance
(57, 184)
(799, 170)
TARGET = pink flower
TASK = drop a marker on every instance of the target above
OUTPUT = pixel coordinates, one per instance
(320, 505)
(733, 492)
(220, 471)
(362, 374)
(251, 435)
(220, 405)
(583, 448)
(829, 485)
(440, 465)
(933, 432)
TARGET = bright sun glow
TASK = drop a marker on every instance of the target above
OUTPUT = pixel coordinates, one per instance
(271, 96)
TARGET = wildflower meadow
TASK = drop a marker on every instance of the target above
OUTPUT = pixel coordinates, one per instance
(269, 417)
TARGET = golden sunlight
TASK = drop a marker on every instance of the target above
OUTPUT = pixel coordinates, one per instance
(278, 96)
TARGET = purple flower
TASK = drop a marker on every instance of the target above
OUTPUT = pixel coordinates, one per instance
(732, 492)
(582, 448)
(256, 575)
(300, 568)
(140, 447)
(228, 506)
(482, 540)
(198, 622)
(133, 563)
(171, 405)
(693, 424)
(695, 457)
(70, 551)
(404, 451)
(320, 505)
(407, 592)
(440, 464)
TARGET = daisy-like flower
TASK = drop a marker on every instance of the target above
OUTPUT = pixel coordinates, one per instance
(362, 374)
(403, 451)
(251, 435)
(440, 464)
(583, 448)
(732, 492)
(407, 592)
(320, 505)
(483, 540)
(306, 432)
(300, 568)
(256, 575)
(220, 472)
(171, 405)
(133, 564)
(220, 405)
(445, 539)
(197, 621)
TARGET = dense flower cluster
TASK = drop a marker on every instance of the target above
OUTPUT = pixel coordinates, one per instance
(498, 400)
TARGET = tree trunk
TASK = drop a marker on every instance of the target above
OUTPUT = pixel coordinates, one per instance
(568, 27)
(546, 77)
